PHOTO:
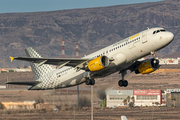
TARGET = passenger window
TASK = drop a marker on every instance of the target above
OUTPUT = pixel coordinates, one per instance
(158, 31)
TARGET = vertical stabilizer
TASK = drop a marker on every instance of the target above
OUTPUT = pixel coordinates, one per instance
(38, 71)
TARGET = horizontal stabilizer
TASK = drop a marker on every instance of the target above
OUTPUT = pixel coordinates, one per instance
(25, 83)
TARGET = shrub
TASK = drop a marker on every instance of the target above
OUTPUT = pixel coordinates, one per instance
(156, 103)
(1, 106)
(103, 103)
(84, 102)
(39, 100)
(102, 94)
(172, 105)
(131, 104)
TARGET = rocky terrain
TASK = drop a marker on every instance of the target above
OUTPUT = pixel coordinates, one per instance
(94, 28)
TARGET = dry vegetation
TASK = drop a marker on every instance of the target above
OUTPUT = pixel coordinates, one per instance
(66, 101)
(138, 113)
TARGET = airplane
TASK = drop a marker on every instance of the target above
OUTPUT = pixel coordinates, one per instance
(121, 56)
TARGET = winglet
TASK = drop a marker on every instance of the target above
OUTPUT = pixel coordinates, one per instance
(12, 58)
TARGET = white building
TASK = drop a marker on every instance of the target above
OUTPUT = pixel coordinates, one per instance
(147, 97)
(115, 98)
(168, 61)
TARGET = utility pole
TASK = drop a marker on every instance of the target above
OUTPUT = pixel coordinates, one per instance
(77, 56)
(7, 81)
(77, 95)
(53, 98)
(91, 102)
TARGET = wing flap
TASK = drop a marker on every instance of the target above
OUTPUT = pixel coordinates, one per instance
(24, 82)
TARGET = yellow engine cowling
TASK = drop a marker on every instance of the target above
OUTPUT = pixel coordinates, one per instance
(98, 63)
(148, 66)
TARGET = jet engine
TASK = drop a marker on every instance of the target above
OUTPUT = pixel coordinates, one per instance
(148, 66)
(98, 63)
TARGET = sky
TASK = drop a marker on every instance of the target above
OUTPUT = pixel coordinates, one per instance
(16, 6)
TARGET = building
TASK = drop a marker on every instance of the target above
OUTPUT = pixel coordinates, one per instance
(116, 98)
(163, 99)
(19, 105)
(27, 105)
(168, 61)
(172, 96)
(46, 106)
(147, 97)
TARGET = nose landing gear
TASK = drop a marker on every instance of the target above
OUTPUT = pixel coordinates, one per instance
(123, 82)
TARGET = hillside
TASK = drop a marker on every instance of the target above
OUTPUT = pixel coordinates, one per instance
(94, 28)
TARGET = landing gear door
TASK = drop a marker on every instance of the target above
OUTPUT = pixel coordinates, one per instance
(144, 37)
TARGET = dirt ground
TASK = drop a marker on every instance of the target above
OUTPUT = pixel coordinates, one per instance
(138, 113)
(160, 81)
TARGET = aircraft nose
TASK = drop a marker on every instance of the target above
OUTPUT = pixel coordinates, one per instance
(170, 36)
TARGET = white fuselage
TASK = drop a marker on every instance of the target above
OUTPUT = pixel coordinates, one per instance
(124, 53)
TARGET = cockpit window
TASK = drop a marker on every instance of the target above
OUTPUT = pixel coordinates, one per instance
(162, 30)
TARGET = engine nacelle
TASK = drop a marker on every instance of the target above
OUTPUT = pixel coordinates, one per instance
(148, 66)
(98, 63)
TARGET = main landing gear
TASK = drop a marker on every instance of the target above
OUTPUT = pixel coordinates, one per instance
(123, 82)
(90, 81)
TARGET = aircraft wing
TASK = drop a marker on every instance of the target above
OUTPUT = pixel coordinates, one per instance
(24, 83)
(74, 62)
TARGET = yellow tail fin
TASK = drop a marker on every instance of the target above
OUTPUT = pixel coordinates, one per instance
(12, 58)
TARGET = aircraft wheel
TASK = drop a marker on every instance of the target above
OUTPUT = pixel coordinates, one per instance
(121, 83)
(92, 82)
(125, 83)
(88, 81)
